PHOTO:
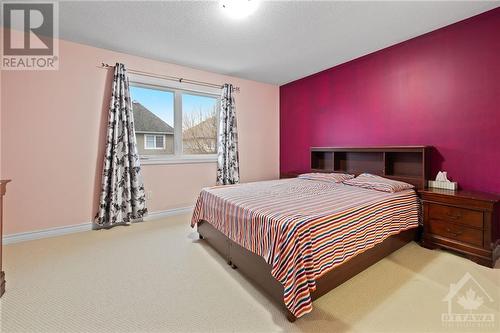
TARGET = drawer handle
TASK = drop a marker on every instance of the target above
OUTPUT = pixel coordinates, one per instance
(454, 217)
(453, 233)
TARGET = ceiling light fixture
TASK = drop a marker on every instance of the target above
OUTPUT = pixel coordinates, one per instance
(239, 9)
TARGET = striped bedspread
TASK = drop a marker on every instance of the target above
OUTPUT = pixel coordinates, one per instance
(304, 228)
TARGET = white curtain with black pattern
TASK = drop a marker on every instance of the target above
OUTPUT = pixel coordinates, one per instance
(122, 198)
(227, 153)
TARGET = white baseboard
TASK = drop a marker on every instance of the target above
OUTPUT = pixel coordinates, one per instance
(70, 229)
(44, 233)
(169, 212)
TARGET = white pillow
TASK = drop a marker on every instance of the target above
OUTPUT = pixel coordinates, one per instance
(326, 177)
(366, 180)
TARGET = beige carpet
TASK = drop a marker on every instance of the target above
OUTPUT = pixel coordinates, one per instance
(156, 276)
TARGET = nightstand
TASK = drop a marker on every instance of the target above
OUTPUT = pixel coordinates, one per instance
(462, 221)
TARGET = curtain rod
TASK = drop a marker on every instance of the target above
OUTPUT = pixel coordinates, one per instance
(171, 78)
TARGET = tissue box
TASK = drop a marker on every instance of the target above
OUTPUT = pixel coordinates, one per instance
(444, 185)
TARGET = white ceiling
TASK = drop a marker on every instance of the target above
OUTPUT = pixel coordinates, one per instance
(279, 43)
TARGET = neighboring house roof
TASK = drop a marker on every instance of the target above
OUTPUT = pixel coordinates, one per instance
(201, 130)
(146, 121)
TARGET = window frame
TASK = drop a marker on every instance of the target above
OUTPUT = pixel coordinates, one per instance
(155, 140)
(178, 89)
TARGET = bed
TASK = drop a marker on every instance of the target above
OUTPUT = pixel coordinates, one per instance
(299, 238)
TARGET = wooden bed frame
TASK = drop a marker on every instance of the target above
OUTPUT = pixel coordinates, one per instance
(258, 270)
(410, 164)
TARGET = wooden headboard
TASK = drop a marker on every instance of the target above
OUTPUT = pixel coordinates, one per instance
(409, 164)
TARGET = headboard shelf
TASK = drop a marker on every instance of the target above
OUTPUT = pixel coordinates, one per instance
(323, 160)
(405, 163)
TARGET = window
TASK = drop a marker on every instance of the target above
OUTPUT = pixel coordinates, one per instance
(174, 123)
(153, 110)
(199, 124)
(154, 141)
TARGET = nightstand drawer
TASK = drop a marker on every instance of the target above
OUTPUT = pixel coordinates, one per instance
(456, 215)
(457, 232)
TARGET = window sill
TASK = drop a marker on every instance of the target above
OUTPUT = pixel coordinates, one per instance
(179, 160)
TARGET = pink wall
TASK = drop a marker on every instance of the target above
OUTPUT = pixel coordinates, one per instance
(440, 89)
(53, 125)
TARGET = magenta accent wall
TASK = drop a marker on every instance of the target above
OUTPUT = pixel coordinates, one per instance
(440, 89)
